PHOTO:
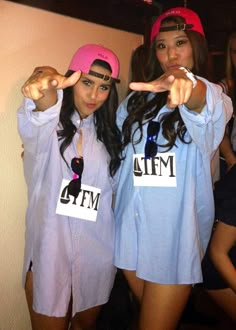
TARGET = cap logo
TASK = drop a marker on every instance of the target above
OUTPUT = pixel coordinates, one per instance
(103, 56)
(173, 12)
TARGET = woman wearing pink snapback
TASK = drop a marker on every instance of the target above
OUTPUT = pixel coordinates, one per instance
(71, 154)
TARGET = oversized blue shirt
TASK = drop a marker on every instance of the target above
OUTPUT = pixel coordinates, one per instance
(162, 231)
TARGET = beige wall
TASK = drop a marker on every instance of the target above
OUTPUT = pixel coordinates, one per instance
(30, 37)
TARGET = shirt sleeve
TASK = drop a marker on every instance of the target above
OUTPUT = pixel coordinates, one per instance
(207, 128)
(224, 86)
(36, 128)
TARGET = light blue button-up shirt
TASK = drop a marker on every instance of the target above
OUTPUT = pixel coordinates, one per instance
(162, 232)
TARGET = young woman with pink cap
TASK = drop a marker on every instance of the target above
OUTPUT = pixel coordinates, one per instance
(172, 124)
(71, 154)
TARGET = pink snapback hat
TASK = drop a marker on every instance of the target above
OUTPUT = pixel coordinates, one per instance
(192, 21)
(87, 54)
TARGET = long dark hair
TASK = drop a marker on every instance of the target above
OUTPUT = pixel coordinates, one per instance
(137, 64)
(142, 108)
(104, 120)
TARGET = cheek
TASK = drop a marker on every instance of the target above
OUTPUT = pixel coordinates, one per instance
(160, 56)
(188, 58)
(77, 90)
(78, 95)
(103, 96)
(189, 53)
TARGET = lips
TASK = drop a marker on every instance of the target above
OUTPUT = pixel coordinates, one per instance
(173, 66)
(91, 105)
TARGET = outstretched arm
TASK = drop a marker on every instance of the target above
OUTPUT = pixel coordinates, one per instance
(223, 239)
(42, 85)
(180, 89)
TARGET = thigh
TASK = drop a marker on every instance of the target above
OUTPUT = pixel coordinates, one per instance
(162, 305)
(39, 321)
(136, 284)
(86, 320)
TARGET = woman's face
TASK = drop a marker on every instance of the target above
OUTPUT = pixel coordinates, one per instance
(233, 51)
(91, 92)
(173, 48)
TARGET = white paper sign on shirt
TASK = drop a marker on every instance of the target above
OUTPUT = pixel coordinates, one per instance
(85, 206)
(158, 171)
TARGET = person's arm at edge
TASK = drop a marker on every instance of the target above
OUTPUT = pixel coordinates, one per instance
(223, 239)
(227, 152)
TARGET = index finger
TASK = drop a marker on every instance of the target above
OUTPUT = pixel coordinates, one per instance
(64, 82)
(155, 86)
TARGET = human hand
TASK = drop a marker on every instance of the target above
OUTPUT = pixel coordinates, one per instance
(46, 79)
(175, 81)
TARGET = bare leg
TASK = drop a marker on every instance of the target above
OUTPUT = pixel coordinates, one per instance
(39, 321)
(136, 284)
(226, 299)
(162, 305)
(86, 320)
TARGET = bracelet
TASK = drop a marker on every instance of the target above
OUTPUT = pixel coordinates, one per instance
(189, 75)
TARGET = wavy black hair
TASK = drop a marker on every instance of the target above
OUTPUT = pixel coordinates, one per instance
(104, 120)
(142, 108)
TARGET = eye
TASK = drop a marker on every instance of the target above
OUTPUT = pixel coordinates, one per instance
(181, 42)
(105, 87)
(160, 45)
(86, 82)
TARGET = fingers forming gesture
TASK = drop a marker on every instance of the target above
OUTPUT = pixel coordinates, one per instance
(175, 81)
(45, 79)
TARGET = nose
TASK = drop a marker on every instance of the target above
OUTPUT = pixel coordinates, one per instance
(94, 92)
(172, 54)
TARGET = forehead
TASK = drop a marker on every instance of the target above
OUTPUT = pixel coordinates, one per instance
(170, 35)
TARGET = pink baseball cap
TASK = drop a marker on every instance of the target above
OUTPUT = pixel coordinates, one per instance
(87, 54)
(192, 21)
